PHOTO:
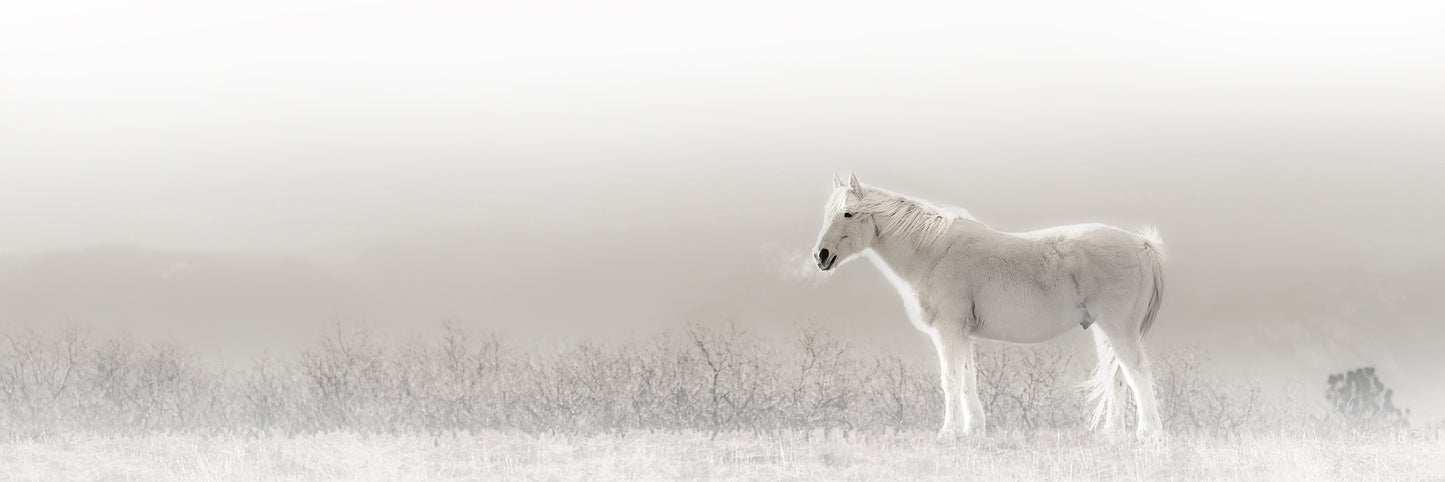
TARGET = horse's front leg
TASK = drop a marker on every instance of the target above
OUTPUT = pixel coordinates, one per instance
(951, 379)
(963, 412)
(973, 417)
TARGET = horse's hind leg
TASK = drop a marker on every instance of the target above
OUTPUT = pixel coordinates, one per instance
(1108, 387)
(1129, 349)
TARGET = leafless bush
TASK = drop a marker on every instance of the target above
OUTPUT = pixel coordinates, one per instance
(1031, 387)
(37, 380)
(716, 378)
(64, 383)
(1193, 401)
(900, 396)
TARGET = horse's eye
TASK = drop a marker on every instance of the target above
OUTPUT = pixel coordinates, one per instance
(847, 215)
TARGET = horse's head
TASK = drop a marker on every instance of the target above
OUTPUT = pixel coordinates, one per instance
(847, 231)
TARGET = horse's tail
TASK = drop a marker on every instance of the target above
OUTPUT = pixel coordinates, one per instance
(1100, 386)
(1153, 254)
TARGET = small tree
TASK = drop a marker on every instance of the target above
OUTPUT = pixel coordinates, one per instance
(1362, 403)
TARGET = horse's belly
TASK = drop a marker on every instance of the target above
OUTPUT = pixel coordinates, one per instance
(1025, 323)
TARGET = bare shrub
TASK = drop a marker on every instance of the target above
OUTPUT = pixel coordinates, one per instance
(38, 378)
(716, 378)
(1193, 401)
(899, 395)
(1031, 387)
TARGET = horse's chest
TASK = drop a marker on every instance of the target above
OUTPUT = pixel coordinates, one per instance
(928, 312)
(919, 310)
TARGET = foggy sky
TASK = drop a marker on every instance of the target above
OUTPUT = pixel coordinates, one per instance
(278, 124)
(1273, 143)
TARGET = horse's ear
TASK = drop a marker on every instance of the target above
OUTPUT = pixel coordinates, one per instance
(854, 184)
(838, 182)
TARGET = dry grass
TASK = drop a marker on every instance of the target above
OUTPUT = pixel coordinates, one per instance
(490, 456)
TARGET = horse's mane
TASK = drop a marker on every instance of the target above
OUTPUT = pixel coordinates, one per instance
(906, 215)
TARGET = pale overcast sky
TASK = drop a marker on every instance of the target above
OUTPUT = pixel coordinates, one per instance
(296, 124)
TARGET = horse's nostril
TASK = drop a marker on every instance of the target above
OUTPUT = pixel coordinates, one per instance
(823, 255)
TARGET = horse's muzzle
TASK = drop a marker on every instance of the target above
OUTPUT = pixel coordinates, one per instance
(825, 260)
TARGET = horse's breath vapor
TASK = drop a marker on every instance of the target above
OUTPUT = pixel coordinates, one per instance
(797, 266)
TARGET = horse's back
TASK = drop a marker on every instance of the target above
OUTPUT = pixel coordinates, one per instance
(1092, 241)
(1103, 261)
(1086, 260)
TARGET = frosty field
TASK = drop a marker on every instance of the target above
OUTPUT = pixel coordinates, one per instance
(694, 455)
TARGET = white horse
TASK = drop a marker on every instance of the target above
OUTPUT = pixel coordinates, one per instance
(961, 280)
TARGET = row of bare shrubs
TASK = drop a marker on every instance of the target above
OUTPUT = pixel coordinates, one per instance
(718, 378)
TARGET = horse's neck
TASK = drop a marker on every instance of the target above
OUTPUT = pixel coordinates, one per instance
(902, 256)
(898, 258)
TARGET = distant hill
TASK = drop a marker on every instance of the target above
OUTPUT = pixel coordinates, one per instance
(186, 295)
